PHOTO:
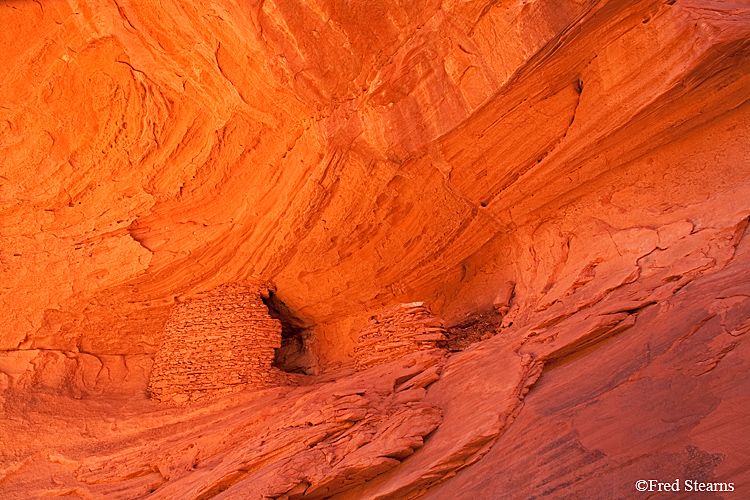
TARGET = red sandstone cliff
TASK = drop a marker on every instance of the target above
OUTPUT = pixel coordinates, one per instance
(583, 165)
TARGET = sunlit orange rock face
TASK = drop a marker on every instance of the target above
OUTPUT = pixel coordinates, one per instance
(565, 184)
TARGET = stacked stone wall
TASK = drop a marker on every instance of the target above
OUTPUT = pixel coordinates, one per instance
(398, 331)
(218, 343)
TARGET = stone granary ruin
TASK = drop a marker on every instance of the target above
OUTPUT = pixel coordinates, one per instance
(217, 343)
(398, 331)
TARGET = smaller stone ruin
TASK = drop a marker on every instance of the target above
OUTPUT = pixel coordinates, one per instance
(218, 343)
(398, 331)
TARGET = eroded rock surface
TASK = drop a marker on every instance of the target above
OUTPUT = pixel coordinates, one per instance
(314, 440)
(578, 169)
(662, 399)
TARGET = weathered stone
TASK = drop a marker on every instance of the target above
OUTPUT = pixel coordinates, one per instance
(398, 331)
(360, 155)
(218, 343)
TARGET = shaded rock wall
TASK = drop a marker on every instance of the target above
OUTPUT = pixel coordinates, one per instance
(662, 400)
(401, 152)
(585, 397)
(362, 155)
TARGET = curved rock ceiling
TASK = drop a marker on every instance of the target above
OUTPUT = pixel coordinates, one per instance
(583, 164)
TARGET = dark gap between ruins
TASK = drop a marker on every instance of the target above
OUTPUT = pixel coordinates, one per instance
(294, 355)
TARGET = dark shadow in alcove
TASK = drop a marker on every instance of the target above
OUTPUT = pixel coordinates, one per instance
(294, 355)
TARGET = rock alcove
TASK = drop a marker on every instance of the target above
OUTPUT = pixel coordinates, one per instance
(297, 351)
(580, 167)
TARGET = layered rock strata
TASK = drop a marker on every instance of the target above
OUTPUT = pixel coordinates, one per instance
(639, 369)
(308, 442)
(396, 332)
(361, 155)
(219, 343)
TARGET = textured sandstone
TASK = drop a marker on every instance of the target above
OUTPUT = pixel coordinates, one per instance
(661, 400)
(361, 155)
(318, 439)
